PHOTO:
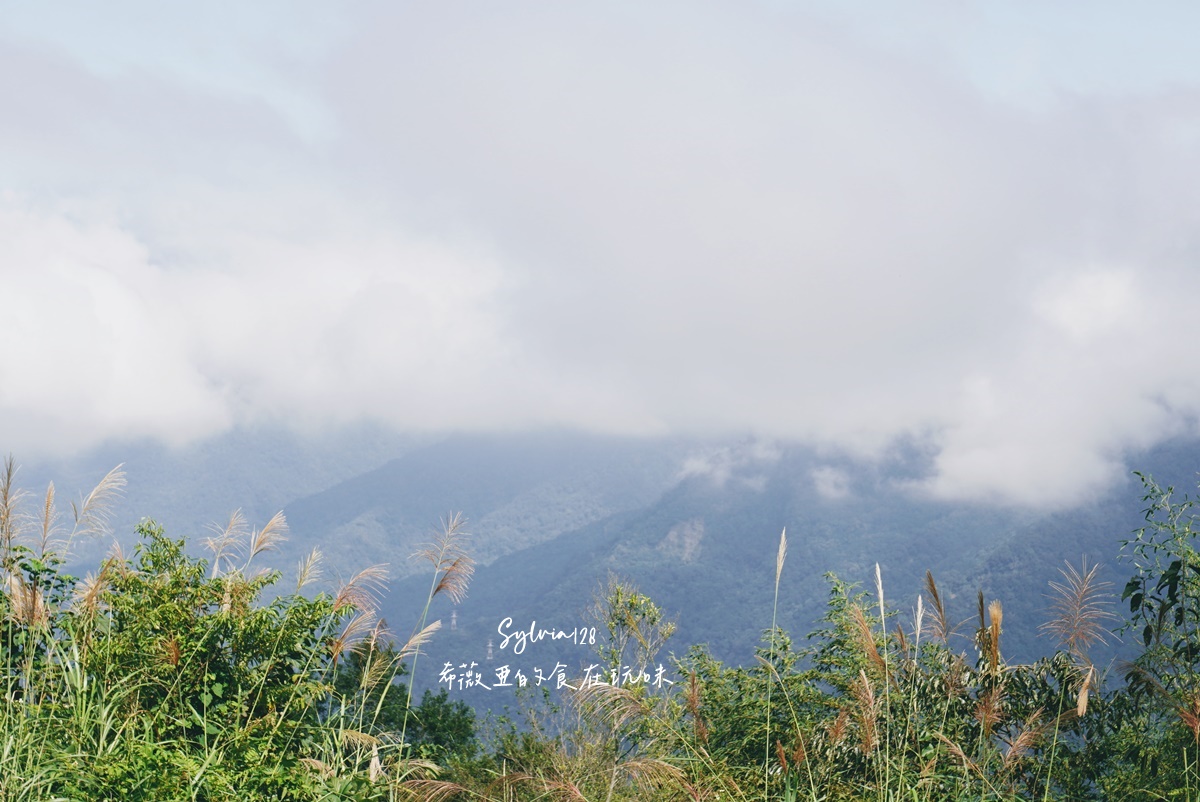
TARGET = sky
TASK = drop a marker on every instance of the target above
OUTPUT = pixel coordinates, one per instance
(971, 225)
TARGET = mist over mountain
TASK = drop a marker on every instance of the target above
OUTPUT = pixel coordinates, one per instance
(694, 524)
(516, 492)
(705, 551)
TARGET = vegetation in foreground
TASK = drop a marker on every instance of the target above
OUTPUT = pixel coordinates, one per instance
(166, 677)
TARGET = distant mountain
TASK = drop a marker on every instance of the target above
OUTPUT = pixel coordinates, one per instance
(695, 524)
(515, 491)
(705, 551)
(257, 470)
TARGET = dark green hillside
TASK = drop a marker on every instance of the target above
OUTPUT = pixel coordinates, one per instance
(705, 551)
(1018, 568)
(516, 491)
(694, 524)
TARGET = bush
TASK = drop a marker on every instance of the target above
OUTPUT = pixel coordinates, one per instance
(168, 677)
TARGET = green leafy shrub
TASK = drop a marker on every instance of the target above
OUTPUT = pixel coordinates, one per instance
(166, 677)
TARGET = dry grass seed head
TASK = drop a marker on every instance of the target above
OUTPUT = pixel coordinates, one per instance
(378, 670)
(430, 790)
(1081, 609)
(989, 710)
(692, 704)
(357, 628)
(447, 544)
(996, 614)
(361, 590)
(449, 558)
(14, 523)
(837, 729)
(353, 739)
(1081, 701)
(1029, 735)
(309, 569)
(940, 624)
(93, 513)
(49, 523)
(269, 537)
(958, 754)
(781, 556)
(171, 652)
(455, 579)
(375, 767)
(982, 630)
(547, 787)
(377, 665)
(799, 750)
(411, 769)
(956, 677)
(227, 540)
(117, 563)
(697, 793)
(920, 622)
(88, 595)
(564, 790)
(413, 645)
(28, 604)
(642, 772)
(238, 594)
(1189, 714)
(901, 640)
(611, 703)
(866, 639)
(10, 498)
(317, 766)
(867, 712)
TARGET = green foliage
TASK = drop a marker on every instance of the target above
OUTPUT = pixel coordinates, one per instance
(443, 728)
(1162, 693)
(167, 677)
(725, 708)
(877, 707)
(632, 627)
(369, 694)
(163, 683)
(1164, 591)
(366, 687)
(164, 677)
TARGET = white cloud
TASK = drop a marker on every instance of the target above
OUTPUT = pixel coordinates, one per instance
(743, 462)
(1090, 304)
(1048, 424)
(831, 482)
(92, 353)
(679, 218)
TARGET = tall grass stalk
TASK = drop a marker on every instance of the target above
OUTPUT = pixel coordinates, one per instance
(887, 697)
(787, 697)
(913, 713)
(452, 571)
(780, 556)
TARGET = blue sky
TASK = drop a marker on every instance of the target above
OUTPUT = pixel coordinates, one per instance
(970, 224)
